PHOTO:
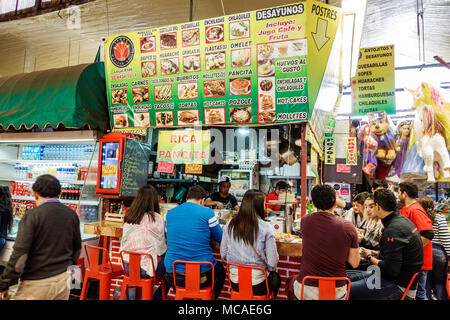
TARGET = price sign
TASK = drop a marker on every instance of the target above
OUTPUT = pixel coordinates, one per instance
(166, 166)
(193, 168)
(109, 170)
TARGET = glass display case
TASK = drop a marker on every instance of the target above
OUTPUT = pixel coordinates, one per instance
(72, 161)
(241, 181)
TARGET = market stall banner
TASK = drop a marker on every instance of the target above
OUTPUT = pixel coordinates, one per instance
(184, 146)
(373, 87)
(247, 68)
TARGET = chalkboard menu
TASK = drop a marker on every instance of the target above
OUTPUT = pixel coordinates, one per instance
(134, 167)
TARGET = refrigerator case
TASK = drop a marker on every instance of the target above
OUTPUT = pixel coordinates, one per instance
(241, 181)
(122, 165)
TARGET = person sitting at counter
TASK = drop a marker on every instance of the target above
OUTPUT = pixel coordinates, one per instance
(280, 188)
(223, 199)
(356, 214)
(143, 231)
(329, 242)
(190, 227)
(248, 240)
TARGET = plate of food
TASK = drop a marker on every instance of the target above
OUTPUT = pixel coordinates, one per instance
(148, 68)
(191, 63)
(240, 86)
(265, 50)
(169, 66)
(214, 33)
(120, 120)
(214, 88)
(188, 91)
(119, 96)
(240, 58)
(163, 92)
(168, 41)
(215, 116)
(188, 117)
(239, 29)
(266, 116)
(267, 102)
(141, 120)
(215, 60)
(147, 44)
(191, 37)
(266, 85)
(240, 114)
(140, 95)
(266, 68)
(164, 118)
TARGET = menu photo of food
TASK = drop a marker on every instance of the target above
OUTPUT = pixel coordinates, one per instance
(241, 114)
(265, 51)
(289, 48)
(215, 116)
(191, 63)
(266, 68)
(141, 120)
(240, 86)
(119, 96)
(140, 95)
(120, 120)
(163, 92)
(148, 44)
(266, 85)
(214, 33)
(240, 29)
(214, 88)
(168, 41)
(187, 90)
(266, 102)
(164, 118)
(215, 60)
(241, 57)
(188, 117)
(190, 37)
(148, 69)
(170, 66)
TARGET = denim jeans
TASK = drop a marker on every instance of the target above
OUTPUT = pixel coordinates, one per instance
(422, 285)
(360, 290)
(160, 271)
(2, 243)
(436, 280)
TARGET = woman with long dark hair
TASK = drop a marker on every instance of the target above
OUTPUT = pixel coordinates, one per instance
(248, 240)
(6, 215)
(437, 277)
(143, 231)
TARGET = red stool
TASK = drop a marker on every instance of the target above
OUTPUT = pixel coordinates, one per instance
(327, 287)
(192, 282)
(133, 279)
(409, 286)
(80, 263)
(103, 272)
(245, 283)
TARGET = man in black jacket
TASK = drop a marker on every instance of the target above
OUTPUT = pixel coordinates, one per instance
(400, 256)
(47, 243)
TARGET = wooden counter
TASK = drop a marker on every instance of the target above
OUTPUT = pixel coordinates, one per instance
(114, 229)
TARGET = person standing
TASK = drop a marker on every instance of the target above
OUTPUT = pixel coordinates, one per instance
(437, 277)
(280, 188)
(408, 193)
(249, 240)
(223, 199)
(400, 256)
(190, 227)
(47, 244)
(143, 231)
(329, 242)
(6, 215)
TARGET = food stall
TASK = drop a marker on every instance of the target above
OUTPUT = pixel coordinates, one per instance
(50, 123)
(234, 95)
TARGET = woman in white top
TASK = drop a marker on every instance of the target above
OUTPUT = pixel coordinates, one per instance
(374, 226)
(436, 279)
(143, 231)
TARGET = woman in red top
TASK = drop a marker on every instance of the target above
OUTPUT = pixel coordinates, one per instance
(280, 188)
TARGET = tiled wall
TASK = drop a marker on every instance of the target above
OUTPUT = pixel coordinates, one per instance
(287, 266)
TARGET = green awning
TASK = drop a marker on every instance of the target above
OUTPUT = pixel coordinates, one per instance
(73, 96)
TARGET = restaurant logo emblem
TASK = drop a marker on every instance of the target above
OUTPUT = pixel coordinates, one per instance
(121, 51)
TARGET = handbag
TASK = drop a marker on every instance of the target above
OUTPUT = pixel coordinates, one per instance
(271, 273)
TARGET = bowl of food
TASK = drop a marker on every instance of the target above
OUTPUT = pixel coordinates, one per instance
(240, 86)
(241, 115)
(265, 50)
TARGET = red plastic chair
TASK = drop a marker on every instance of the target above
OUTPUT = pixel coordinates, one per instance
(245, 283)
(409, 286)
(327, 287)
(133, 279)
(192, 282)
(103, 272)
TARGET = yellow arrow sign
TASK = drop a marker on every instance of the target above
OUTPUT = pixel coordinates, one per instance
(320, 36)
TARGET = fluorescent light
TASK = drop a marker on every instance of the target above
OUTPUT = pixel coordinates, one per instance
(45, 140)
(243, 131)
(348, 30)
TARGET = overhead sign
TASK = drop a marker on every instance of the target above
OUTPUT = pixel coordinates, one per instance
(373, 87)
(246, 68)
(351, 154)
(330, 150)
(184, 146)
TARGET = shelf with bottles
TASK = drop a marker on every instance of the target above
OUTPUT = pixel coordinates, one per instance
(64, 172)
(58, 152)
